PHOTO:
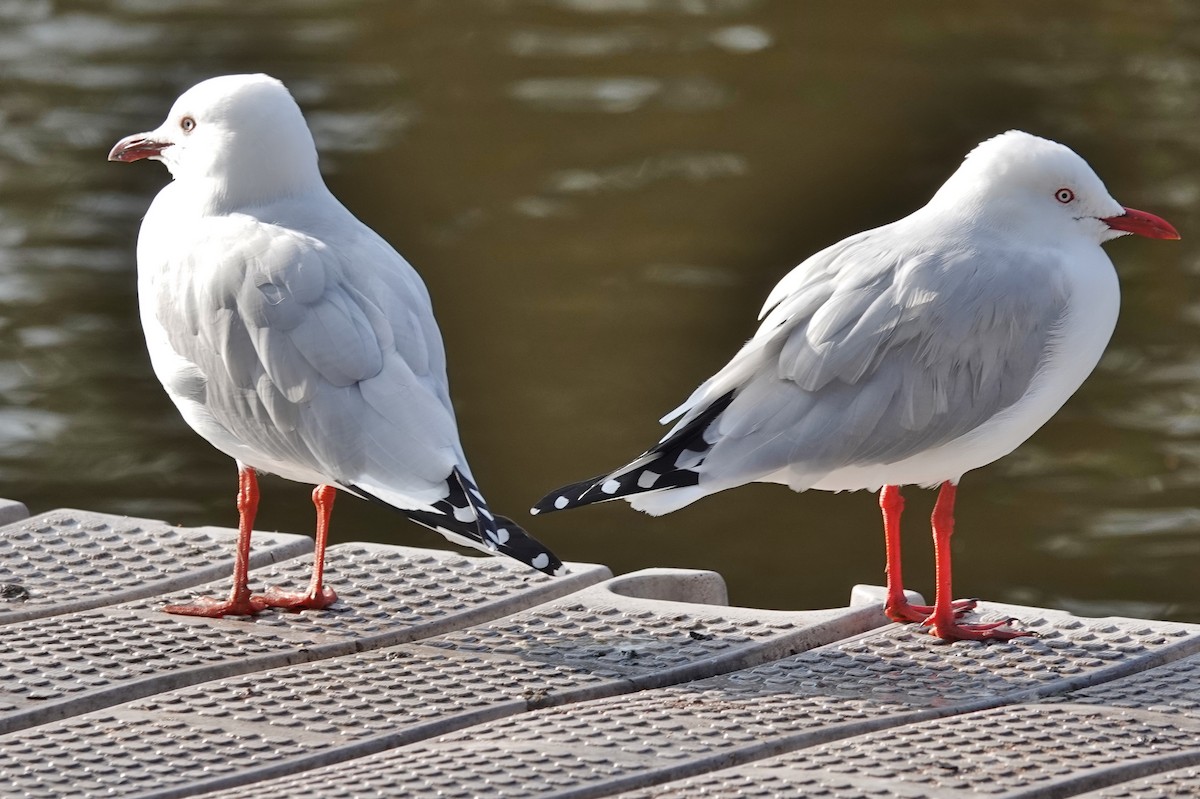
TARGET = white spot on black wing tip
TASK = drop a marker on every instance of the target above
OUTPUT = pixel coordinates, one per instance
(561, 502)
(541, 561)
(647, 479)
(534, 511)
(610, 487)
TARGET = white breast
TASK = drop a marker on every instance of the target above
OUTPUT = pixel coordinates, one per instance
(162, 230)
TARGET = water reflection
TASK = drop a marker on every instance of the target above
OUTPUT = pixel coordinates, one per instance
(599, 194)
(619, 95)
(688, 7)
(543, 43)
(697, 167)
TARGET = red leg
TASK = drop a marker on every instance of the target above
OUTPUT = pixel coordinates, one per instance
(318, 594)
(943, 623)
(897, 607)
(240, 602)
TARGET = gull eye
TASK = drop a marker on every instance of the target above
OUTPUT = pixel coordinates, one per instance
(1064, 196)
(188, 124)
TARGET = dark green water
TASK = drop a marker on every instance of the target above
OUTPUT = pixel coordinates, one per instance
(600, 193)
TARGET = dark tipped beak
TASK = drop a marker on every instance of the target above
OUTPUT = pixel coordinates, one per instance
(135, 148)
(1141, 223)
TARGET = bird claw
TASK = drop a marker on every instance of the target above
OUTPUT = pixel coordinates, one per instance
(213, 608)
(983, 631)
(906, 612)
(950, 629)
(276, 597)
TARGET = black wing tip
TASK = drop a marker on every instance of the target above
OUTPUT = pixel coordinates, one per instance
(658, 474)
(486, 531)
(661, 472)
(522, 546)
(573, 495)
(554, 501)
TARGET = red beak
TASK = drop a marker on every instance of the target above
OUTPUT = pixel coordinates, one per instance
(135, 148)
(1141, 223)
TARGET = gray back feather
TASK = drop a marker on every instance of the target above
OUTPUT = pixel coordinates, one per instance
(870, 354)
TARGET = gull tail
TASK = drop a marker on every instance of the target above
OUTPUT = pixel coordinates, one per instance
(672, 464)
(464, 518)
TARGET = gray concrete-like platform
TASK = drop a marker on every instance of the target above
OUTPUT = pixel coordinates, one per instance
(439, 674)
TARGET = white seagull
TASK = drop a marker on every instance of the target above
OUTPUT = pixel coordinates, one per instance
(291, 336)
(908, 355)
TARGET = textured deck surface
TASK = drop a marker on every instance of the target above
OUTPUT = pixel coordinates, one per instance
(442, 675)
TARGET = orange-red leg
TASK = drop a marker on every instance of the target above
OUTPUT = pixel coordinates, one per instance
(943, 623)
(896, 606)
(240, 602)
(318, 594)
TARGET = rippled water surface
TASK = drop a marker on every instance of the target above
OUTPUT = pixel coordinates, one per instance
(600, 193)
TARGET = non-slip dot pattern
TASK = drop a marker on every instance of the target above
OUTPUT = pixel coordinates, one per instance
(1182, 783)
(984, 753)
(618, 640)
(384, 589)
(370, 694)
(1171, 688)
(52, 659)
(81, 661)
(989, 753)
(535, 658)
(894, 676)
(438, 674)
(900, 668)
(243, 723)
(73, 560)
(54, 765)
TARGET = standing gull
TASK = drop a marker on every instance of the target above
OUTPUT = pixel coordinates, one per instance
(292, 337)
(908, 355)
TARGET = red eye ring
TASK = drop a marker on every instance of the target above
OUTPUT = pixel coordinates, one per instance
(1064, 195)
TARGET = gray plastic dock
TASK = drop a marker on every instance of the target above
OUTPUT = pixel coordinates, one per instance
(443, 675)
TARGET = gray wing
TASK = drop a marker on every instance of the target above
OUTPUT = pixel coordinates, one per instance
(868, 356)
(315, 352)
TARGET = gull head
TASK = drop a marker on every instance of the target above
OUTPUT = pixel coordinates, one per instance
(243, 134)
(1042, 191)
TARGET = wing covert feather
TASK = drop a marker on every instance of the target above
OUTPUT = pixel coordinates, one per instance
(873, 359)
(322, 354)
